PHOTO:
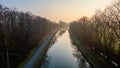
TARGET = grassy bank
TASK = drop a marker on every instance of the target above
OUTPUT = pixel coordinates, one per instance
(42, 56)
(31, 53)
(94, 60)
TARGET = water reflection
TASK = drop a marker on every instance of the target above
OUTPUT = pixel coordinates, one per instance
(63, 54)
(82, 63)
(58, 34)
(45, 63)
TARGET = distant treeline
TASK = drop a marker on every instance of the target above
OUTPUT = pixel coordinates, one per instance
(19, 33)
(102, 32)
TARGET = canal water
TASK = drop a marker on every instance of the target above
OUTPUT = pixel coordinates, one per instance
(63, 54)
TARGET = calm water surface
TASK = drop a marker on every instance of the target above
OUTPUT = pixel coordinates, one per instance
(63, 54)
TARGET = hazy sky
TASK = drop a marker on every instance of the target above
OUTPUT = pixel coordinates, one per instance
(55, 10)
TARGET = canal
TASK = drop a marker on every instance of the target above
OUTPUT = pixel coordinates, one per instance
(63, 54)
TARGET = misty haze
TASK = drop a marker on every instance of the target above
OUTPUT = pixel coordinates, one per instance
(59, 33)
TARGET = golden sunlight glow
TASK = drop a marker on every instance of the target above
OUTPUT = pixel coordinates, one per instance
(72, 9)
(55, 10)
(102, 8)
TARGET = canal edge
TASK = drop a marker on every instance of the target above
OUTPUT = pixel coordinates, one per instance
(42, 56)
(87, 56)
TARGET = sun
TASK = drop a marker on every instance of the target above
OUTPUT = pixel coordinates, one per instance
(102, 8)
